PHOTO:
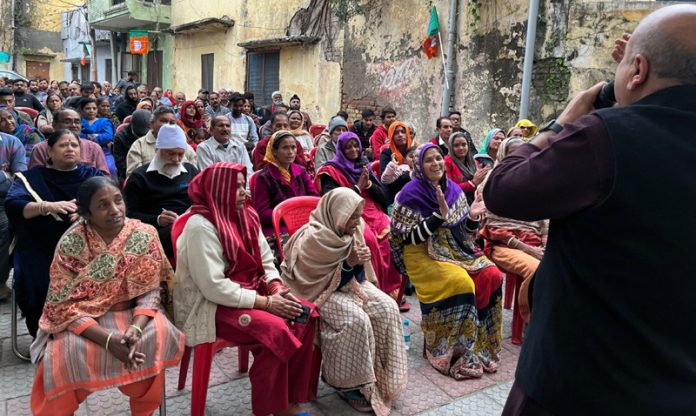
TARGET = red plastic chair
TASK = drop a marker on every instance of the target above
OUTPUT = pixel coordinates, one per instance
(30, 111)
(127, 120)
(312, 153)
(374, 166)
(512, 289)
(316, 129)
(294, 212)
(121, 127)
(203, 353)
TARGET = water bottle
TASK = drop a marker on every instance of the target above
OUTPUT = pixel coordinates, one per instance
(407, 335)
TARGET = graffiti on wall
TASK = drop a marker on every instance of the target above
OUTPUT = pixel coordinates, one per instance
(393, 77)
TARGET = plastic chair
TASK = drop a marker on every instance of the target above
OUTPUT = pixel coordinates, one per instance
(512, 289)
(294, 212)
(312, 153)
(127, 120)
(28, 110)
(374, 166)
(13, 330)
(316, 129)
(121, 127)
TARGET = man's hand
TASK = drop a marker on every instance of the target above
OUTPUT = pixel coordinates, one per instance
(166, 218)
(582, 104)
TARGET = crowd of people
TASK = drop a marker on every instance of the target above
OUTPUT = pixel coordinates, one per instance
(155, 209)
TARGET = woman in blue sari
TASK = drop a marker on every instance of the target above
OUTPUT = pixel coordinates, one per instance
(12, 125)
(99, 130)
(41, 207)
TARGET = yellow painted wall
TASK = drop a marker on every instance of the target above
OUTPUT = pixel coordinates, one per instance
(46, 15)
(302, 70)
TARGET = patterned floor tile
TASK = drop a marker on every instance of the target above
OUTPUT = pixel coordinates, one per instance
(455, 388)
(108, 402)
(227, 360)
(474, 405)
(420, 394)
(500, 392)
(330, 405)
(233, 398)
(16, 380)
(179, 405)
(217, 377)
(8, 357)
(506, 367)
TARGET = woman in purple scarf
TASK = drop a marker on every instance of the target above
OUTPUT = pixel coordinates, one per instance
(460, 290)
(350, 169)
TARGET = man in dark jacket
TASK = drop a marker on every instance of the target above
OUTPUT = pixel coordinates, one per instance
(24, 99)
(137, 128)
(365, 127)
(612, 328)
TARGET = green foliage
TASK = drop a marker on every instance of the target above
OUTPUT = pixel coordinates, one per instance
(553, 41)
(557, 81)
(345, 9)
(473, 7)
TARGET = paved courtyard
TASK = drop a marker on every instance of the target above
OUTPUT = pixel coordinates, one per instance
(428, 392)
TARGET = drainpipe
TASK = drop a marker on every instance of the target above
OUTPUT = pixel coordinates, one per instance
(115, 76)
(529, 57)
(449, 69)
(13, 27)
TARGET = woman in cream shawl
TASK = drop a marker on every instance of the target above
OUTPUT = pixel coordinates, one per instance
(361, 336)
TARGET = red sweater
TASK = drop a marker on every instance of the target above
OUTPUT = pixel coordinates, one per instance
(456, 175)
(378, 139)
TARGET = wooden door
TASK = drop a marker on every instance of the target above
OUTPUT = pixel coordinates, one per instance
(154, 69)
(37, 69)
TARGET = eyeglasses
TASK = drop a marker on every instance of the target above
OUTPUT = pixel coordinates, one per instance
(72, 122)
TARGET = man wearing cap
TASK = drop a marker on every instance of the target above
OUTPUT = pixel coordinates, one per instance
(327, 151)
(143, 150)
(91, 154)
(157, 192)
(124, 139)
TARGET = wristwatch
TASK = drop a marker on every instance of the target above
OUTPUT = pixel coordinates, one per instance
(551, 126)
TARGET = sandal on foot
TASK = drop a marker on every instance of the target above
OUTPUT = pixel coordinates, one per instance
(404, 307)
(356, 400)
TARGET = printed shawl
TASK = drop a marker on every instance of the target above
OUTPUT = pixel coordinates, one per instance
(88, 277)
(213, 193)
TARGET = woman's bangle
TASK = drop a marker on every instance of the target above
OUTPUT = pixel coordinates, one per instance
(137, 328)
(106, 346)
(269, 302)
(477, 219)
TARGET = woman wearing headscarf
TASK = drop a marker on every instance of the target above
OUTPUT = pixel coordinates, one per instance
(228, 287)
(515, 246)
(399, 142)
(489, 150)
(190, 120)
(44, 121)
(356, 316)
(280, 179)
(529, 129)
(460, 165)
(296, 122)
(12, 125)
(349, 168)
(459, 289)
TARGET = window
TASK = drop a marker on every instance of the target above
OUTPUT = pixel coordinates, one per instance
(263, 75)
(207, 67)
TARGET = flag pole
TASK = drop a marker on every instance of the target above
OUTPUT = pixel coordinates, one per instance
(444, 65)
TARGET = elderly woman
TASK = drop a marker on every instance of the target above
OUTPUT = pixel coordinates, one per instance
(356, 316)
(460, 165)
(459, 289)
(99, 130)
(515, 246)
(489, 150)
(399, 143)
(102, 326)
(44, 121)
(12, 125)
(227, 287)
(41, 202)
(279, 180)
(348, 168)
(297, 123)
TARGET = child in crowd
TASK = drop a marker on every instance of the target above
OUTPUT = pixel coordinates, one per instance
(393, 170)
(200, 135)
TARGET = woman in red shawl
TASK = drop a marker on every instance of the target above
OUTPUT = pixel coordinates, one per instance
(228, 287)
(190, 120)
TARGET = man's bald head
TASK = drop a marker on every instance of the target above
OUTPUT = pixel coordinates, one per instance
(667, 37)
(661, 53)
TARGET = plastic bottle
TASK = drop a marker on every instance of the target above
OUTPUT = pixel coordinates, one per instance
(407, 335)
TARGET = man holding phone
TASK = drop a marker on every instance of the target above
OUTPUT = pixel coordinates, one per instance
(612, 327)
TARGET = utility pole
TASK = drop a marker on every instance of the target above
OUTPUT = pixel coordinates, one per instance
(449, 66)
(528, 57)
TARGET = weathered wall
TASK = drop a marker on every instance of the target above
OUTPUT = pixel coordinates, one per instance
(302, 68)
(384, 62)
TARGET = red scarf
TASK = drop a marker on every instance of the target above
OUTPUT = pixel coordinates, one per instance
(197, 121)
(213, 193)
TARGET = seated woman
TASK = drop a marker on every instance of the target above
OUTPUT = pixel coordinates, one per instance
(227, 287)
(460, 165)
(104, 111)
(528, 128)
(146, 103)
(515, 246)
(44, 121)
(190, 121)
(279, 180)
(98, 130)
(458, 287)
(296, 122)
(12, 125)
(399, 143)
(356, 316)
(348, 168)
(489, 151)
(41, 202)
(101, 326)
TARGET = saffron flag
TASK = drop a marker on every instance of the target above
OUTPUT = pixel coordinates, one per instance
(85, 54)
(431, 43)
